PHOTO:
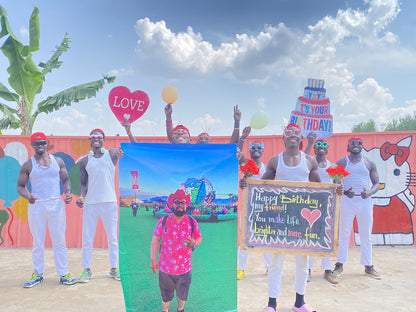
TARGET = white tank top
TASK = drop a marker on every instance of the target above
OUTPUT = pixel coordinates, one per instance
(359, 176)
(298, 173)
(262, 169)
(101, 187)
(323, 174)
(45, 181)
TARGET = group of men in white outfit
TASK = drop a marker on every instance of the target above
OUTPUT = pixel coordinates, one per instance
(46, 207)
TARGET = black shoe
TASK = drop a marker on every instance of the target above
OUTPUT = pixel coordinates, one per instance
(338, 269)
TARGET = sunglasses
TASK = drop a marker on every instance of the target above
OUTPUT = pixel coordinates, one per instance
(256, 147)
(96, 137)
(202, 139)
(39, 143)
(289, 132)
(321, 144)
(356, 142)
(177, 202)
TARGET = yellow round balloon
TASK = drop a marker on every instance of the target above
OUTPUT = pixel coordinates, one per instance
(259, 120)
(169, 94)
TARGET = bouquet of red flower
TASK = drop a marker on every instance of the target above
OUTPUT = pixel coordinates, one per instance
(336, 173)
(249, 169)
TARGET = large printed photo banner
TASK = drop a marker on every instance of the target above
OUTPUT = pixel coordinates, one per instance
(290, 217)
(148, 174)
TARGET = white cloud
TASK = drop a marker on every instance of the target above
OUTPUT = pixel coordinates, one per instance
(396, 113)
(261, 103)
(121, 72)
(368, 101)
(188, 53)
(276, 50)
(62, 122)
(207, 123)
(24, 32)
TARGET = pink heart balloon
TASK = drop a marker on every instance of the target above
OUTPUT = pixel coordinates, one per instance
(310, 216)
(124, 103)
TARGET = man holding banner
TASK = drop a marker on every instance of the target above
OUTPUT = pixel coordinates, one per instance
(290, 165)
(177, 235)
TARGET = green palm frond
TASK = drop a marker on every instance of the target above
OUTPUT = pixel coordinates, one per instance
(53, 62)
(72, 95)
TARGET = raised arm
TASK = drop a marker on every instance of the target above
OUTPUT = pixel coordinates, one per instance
(236, 131)
(244, 135)
(169, 126)
(127, 126)
(311, 137)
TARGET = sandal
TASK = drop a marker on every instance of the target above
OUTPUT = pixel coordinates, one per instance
(269, 309)
(304, 308)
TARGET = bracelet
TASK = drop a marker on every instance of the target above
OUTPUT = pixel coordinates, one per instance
(236, 128)
(129, 133)
(194, 247)
(242, 139)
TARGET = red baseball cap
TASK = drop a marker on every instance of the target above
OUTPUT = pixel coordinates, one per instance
(355, 138)
(38, 136)
(181, 127)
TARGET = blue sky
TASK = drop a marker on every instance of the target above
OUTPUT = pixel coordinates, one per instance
(163, 167)
(255, 54)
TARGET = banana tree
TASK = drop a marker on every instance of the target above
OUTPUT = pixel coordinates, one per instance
(26, 78)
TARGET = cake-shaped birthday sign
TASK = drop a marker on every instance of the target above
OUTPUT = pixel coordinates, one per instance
(312, 113)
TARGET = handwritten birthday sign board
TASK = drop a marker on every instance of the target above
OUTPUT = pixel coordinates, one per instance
(312, 112)
(290, 217)
(126, 104)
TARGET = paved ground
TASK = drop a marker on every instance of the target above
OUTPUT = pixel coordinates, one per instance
(356, 292)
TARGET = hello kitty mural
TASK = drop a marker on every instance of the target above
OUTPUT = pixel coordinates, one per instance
(394, 202)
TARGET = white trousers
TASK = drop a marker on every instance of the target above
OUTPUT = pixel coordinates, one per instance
(49, 213)
(326, 263)
(108, 212)
(274, 277)
(362, 209)
(243, 257)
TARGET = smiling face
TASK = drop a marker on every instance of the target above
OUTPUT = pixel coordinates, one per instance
(256, 150)
(292, 136)
(180, 136)
(355, 146)
(179, 207)
(96, 139)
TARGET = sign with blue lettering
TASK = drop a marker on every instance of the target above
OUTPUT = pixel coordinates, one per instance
(290, 217)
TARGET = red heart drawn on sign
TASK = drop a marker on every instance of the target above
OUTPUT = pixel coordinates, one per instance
(124, 103)
(310, 216)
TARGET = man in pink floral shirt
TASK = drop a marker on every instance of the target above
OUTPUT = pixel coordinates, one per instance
(180, 236)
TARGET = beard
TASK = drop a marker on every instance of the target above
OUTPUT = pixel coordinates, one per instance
(179, 213)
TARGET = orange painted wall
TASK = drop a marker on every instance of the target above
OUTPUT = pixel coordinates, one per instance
(14, 230)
